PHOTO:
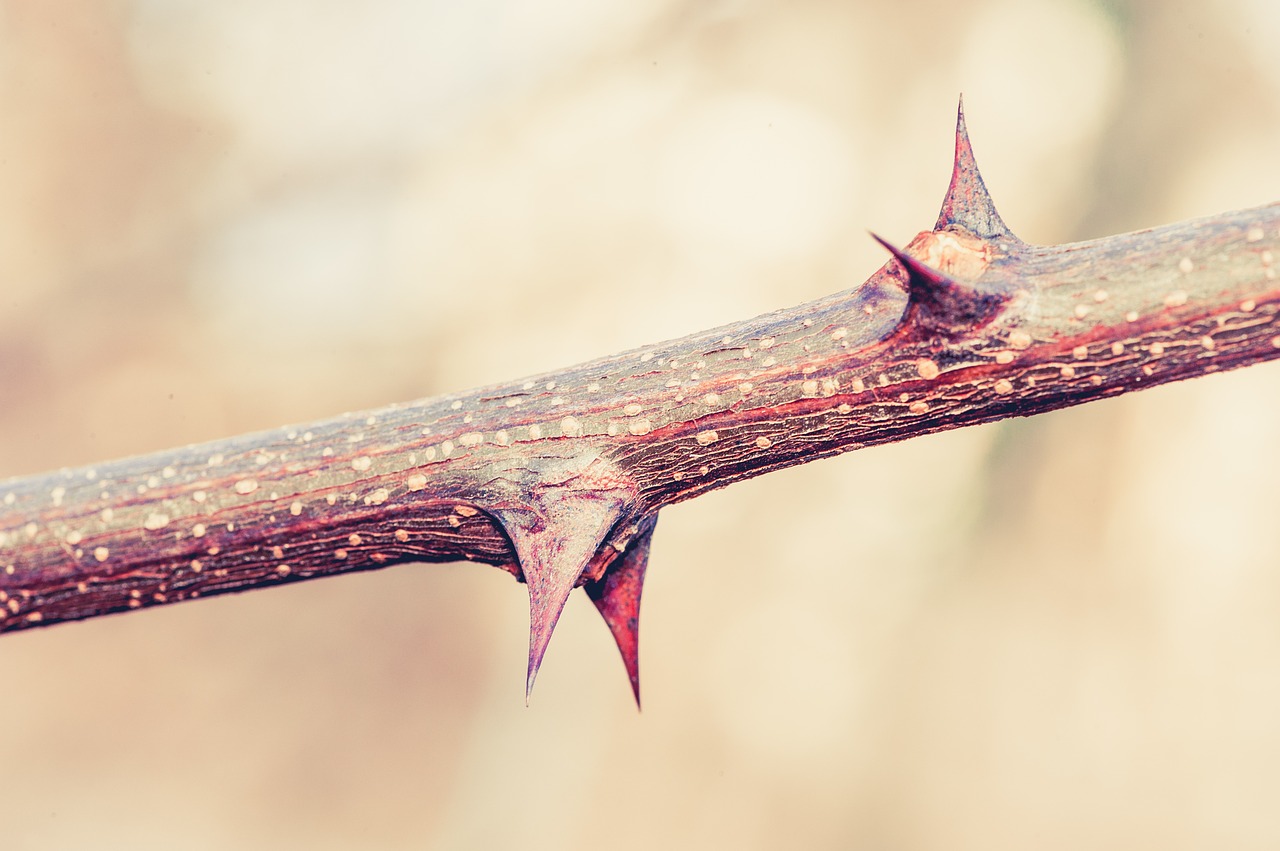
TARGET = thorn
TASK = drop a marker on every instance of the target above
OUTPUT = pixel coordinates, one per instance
(554, 543)
(617, 598)
(921, 275)
(968, 204)
(943, 303)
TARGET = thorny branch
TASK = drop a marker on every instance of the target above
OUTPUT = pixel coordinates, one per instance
(558, 479)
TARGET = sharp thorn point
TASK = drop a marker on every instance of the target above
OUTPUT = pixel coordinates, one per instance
(547, 597)
(967, 203)
(889, 246)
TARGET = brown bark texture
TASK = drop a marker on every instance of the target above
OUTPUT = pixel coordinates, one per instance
(558, 478)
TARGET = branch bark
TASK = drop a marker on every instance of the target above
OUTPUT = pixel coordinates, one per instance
(558, 479)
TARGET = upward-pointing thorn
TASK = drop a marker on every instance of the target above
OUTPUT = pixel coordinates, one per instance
(967, 203)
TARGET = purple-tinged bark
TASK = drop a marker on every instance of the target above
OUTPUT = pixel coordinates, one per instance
(558, 478)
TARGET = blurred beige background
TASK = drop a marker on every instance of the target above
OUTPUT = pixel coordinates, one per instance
(218, 217)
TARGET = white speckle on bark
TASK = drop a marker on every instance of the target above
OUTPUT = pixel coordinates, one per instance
(155, 520)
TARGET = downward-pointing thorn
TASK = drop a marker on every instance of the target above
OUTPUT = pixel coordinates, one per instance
(555, 535)
(617, 598)
(549, 589)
